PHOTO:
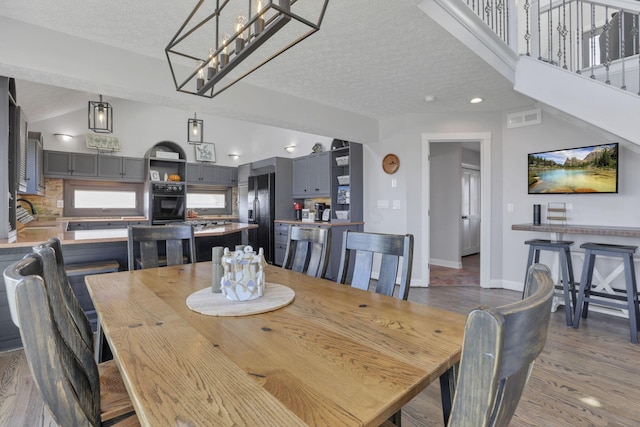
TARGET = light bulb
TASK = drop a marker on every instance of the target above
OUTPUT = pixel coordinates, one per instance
(194, 129)
(241, 21)
(101, 114)
(258, 25)
(225, 42)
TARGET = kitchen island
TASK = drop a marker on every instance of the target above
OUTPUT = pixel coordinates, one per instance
(83, 246)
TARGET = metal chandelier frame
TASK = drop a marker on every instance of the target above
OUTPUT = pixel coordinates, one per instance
(208, 77)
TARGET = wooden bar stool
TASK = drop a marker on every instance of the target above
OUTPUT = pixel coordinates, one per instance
(568, 287)
(586, 294)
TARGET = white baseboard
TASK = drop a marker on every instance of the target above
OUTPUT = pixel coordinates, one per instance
(445, 263)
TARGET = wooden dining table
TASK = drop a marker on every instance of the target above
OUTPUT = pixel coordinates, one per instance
(334, 356)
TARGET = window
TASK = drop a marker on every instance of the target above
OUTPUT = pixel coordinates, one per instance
(96, 198)
(209, 201)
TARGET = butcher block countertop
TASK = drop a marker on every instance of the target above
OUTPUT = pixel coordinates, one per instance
(37, 233)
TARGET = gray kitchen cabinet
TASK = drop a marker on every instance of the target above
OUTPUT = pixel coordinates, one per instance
(312, 175)
(346, 181)
(35, 164)
(280, 234)
(122, 168)
(242, 174)
(204, 173)
(59, 164)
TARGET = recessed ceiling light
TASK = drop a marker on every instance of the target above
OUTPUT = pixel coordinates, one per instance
(429, 98)
(290, 148)
(234, 156)
(476, 100)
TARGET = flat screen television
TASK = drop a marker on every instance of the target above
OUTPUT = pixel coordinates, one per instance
(592, 169)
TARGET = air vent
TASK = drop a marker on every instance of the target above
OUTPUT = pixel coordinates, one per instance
(524, 118)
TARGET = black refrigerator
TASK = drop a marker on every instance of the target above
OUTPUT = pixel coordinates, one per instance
(261, 202)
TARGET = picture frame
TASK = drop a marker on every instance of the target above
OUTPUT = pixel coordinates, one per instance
(154, 175)
(205, 152)
(103, 142)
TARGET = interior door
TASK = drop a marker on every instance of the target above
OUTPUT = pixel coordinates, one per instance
(470, 212)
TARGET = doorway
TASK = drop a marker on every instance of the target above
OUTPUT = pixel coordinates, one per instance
(470, 215)
(484, 141)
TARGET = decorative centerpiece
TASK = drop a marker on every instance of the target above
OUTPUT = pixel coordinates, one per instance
(244, 277)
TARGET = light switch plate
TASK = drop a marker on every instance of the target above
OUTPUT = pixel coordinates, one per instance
(382, 204)
(59, 203)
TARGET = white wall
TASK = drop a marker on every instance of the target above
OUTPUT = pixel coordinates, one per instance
(596, 209)
(403, 136)
(139, 126)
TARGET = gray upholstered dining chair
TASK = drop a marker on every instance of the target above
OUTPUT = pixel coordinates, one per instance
(391, 247)
(308, 250)
(150, 246)
(76, 390)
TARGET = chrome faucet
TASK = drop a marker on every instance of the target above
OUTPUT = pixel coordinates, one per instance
(33, 208)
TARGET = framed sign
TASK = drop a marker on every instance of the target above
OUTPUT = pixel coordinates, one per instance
(205, 152)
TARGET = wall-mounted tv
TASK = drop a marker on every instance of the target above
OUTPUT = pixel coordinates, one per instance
(592, 169)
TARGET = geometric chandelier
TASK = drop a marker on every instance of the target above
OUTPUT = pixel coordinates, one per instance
(220, 44)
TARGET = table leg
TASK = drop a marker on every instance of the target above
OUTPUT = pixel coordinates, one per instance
(447, 389)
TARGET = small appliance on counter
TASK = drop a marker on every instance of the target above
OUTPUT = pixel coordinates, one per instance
(320, 207)
(326, 215)
(297, 209)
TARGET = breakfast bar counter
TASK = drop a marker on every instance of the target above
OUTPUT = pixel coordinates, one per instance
(593, 230)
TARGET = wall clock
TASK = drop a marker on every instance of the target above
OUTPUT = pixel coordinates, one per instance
(390, 163)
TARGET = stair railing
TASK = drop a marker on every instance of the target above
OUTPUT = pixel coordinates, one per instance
(598, 38)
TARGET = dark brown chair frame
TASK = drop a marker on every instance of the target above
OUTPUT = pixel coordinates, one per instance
(308, 250)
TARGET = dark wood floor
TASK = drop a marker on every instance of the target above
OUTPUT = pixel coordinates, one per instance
(585, 377)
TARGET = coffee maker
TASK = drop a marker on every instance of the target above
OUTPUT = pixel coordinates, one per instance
(320, 207)
(297, 209)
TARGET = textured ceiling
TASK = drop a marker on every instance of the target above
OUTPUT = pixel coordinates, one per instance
(372, 57)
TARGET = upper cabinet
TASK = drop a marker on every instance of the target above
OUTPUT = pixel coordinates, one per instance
(59, 164)
(346, 181)
(208, 174)
(122, 168)
(21, 125)
(35, 164)
(311, 175)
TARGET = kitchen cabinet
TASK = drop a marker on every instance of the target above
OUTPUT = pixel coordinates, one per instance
(59, 164)
(7, 157)
(204, 173)
(122, 168)
(21, 165)
(311, 175)
(281, 233)
(35, 164)
(346, 181)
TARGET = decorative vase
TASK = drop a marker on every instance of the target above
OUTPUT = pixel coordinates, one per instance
(244, 277)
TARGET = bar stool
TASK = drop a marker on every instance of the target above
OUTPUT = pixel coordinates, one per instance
(562, 247)
(585, 294)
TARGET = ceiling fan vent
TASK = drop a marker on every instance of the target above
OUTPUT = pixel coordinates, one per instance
(524, 118)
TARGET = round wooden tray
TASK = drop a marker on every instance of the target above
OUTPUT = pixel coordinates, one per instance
(215, 304)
